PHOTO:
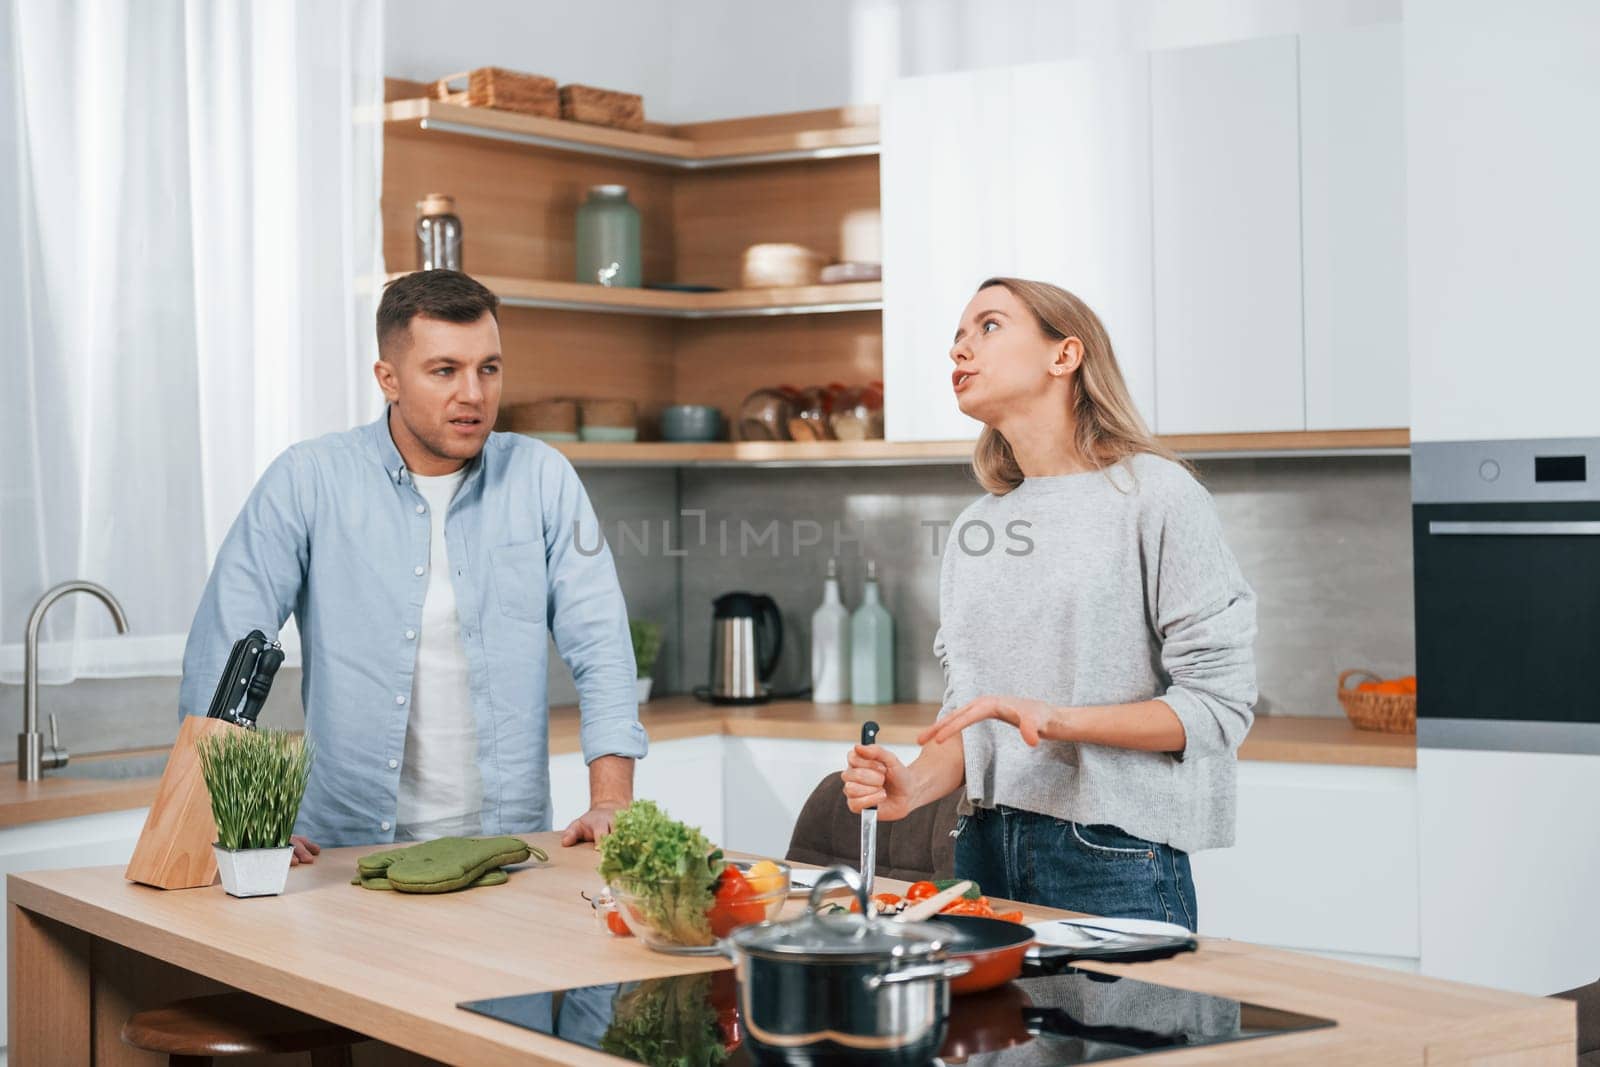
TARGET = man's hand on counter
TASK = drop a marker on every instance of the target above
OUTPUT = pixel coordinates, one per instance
(592, 825)
(304, 851)
(610, 790)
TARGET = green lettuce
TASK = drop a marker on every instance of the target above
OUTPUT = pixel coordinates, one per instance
(671, 867)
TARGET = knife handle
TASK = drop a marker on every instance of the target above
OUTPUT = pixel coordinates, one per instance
(869, 735)
(267, 665)
(235, 675)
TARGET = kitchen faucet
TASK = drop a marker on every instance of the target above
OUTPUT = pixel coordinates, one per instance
(30, 757)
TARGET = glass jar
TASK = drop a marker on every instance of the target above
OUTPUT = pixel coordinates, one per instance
(608, 238)
(438, 233)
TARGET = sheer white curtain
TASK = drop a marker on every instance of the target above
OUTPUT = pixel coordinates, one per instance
(189, 230)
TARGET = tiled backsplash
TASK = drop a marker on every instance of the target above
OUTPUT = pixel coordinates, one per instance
(1325, 542)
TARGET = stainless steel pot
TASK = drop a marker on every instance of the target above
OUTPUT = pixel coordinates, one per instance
(844, 989)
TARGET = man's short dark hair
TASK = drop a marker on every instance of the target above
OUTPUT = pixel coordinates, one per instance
(448, 295)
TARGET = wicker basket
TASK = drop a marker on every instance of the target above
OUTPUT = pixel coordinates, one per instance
(504, 90)
(612, 413)
(1390, 713)
(542, 416)
(602, 107)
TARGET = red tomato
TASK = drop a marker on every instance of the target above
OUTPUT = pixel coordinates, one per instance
(731, 906)
(732, 884)
(722, 919)
(921, 891)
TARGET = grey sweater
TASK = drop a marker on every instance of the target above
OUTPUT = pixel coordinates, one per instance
(1107, 587)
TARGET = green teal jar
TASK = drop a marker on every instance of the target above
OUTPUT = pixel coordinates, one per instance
(608, 238)
(871, 646)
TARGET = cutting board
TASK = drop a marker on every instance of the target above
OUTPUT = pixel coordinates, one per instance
(174, 849)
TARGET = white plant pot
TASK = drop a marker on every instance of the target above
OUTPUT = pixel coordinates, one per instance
(642, 689)
(253, 872)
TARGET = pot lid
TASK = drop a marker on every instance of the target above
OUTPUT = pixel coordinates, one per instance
(840, 936)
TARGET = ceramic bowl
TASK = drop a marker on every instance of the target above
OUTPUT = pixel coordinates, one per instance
(691, 422)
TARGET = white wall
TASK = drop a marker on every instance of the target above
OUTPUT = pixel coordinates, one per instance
(708, 59)
(1503, 161)
(732, 57)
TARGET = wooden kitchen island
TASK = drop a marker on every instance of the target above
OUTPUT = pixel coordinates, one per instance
(87, 949)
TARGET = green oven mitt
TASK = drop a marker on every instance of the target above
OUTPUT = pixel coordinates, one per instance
(444, 865)
(494, 877)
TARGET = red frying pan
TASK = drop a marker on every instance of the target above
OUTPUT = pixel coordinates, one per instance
(994, 946)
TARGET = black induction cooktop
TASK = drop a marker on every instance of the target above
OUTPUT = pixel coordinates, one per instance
(1053, 1020)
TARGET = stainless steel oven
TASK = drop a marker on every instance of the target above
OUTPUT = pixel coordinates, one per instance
(1507, 570)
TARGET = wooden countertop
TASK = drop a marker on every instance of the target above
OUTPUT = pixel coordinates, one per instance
(329, 948)
(1281, 738)
(58, 797)
(1273, 738)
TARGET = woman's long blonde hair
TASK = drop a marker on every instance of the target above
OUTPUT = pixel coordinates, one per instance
(1109, 428)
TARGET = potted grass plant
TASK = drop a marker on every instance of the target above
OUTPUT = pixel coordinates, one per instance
(646, 648)
(256, 779)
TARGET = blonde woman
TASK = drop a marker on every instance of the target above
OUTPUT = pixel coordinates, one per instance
(1095, 634)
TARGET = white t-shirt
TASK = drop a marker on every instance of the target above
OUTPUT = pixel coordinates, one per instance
(441, 793)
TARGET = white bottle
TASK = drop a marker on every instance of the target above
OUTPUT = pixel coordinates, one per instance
(830, 636)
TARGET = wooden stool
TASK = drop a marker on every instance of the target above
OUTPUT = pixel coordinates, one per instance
(191, 1032)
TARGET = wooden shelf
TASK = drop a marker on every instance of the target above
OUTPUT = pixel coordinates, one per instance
(662, 149)
(911, 453)
(666, 303)
(765, 453)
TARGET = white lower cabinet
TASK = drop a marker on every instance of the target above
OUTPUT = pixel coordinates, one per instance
(1509, 868)
(684, 777)
(99, 840)
(1325, 860)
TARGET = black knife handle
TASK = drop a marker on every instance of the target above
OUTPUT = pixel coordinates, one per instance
(236, 675)
(869, 732)
(267, 665)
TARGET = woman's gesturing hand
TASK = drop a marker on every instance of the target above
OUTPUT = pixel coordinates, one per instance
(875, 777)
(1030, 717)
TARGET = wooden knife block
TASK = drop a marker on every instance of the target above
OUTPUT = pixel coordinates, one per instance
(174, 849)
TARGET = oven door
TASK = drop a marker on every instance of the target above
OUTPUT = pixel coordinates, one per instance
(1508, 612)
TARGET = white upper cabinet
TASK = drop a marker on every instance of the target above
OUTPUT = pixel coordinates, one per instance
(1236, 214)
(1226, 191)
(947, 225)
(1503, 218)
(1353, 202)
(1039, 172)
(1081, 182)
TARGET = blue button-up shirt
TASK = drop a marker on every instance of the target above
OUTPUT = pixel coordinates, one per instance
(336, 533)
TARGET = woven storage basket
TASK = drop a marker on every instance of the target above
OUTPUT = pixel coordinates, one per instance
(602, 107)
(1390, 713)
(617, 413)
(504, 90)
(542, 416)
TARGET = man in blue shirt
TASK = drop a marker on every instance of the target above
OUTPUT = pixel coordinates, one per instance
(427, 561)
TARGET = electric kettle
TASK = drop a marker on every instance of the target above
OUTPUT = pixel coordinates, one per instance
(746, 638)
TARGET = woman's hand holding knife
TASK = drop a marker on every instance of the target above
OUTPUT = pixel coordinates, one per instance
(875, 777)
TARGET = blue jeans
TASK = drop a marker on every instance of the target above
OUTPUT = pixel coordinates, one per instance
(1021, 855)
